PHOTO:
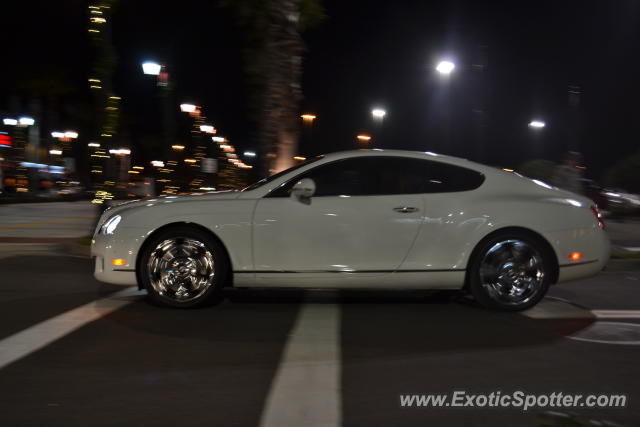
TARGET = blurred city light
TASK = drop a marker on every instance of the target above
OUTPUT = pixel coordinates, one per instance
(178, 147)
(157, 163)
(378, 113)
(364, 138)
(300, 158)
(445, 67)
(151, 68)
(93, 145)
(507, 170)
(57, 134)
(138, 167)
(10, 122)
(218, 139)
(207, 129)
(187, 108)
(249, 154)
(26, 121)
(71, 134)
(55, 152)
(190, 160)
(308, 117)
(120, 151)
(537, 124)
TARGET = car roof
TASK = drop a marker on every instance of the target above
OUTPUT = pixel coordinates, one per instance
(424, 155)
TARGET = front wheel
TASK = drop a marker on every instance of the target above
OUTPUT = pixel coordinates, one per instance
(182, 267)
(510, 272)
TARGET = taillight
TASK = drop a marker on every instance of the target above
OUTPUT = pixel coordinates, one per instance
(598, 215)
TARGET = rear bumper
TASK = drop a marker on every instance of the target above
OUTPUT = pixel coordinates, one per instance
(595, 248)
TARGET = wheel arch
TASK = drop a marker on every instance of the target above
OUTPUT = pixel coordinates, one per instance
(539, 237)
(193, 225)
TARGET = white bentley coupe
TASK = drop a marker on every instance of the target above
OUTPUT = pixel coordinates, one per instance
(358, 219)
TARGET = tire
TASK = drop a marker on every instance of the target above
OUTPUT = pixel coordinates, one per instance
(510, 271)
(183, 267)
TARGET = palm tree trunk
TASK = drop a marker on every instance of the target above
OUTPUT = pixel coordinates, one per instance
(279, 128)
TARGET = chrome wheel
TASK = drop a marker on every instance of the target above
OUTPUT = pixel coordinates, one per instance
(512, 272)
(181, 269)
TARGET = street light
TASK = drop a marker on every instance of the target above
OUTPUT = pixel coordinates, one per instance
(218, 139)
(151, 68)
(57, 134)
(249, 154)
(364, 138)
(93, 145)
(157, 163)
(70, 134)
(10, 122)
(378, 113)
(537, 124)
(55, 152)
(188, 108)
(120, 151)
(178, 147)
(308, 117)
(300, 158)
(26, 121)
(207, 129)
(445, 67)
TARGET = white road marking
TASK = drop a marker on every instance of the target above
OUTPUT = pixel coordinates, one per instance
(306, 388)
(29, 340)
(616, 314)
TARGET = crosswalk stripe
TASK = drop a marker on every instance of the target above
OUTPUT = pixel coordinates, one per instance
(306, 388)
(29, 340)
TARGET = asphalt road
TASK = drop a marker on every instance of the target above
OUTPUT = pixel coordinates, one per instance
(77, 352)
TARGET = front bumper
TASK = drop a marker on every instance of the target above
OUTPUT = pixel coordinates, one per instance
(122, 245)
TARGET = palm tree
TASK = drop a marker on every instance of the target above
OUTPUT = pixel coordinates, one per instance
(273, 59)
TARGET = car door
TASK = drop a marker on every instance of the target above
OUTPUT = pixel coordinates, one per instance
(357, 221)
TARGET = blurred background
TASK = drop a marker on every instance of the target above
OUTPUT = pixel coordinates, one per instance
(129, 99)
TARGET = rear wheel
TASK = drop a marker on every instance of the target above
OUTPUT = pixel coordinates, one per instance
(183, 267)
(512, 271)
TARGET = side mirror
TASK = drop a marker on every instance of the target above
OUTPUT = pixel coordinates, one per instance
(303, 190)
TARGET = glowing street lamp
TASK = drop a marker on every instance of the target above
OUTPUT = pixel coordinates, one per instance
(188, 108)
(26, 121)
(55, 152)
(218, 139)
(445, 67)
(71, 134)
(177, 147)
(151, 68)
(157, 163)
(300, 158)
(93, 145)
(364, 138)
(537, 124)
(207, 129)
(308, 117)
(378, 113)
(120, 151)
(249, 153)
(10, 122)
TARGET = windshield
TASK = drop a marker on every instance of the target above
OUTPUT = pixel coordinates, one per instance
(268, 179)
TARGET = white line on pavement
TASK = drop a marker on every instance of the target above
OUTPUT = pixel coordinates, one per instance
(306, 388)
(25, 342)
(616, 314)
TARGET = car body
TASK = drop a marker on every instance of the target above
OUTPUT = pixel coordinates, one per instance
(373, 219)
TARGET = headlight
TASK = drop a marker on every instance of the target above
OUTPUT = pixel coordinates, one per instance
(110, 226)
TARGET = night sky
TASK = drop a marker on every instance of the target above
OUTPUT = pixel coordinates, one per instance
(515, 62)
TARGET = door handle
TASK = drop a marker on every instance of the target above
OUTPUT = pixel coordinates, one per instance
(406, 209)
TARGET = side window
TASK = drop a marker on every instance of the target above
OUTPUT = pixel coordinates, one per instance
(380, 175)
(352, 177)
